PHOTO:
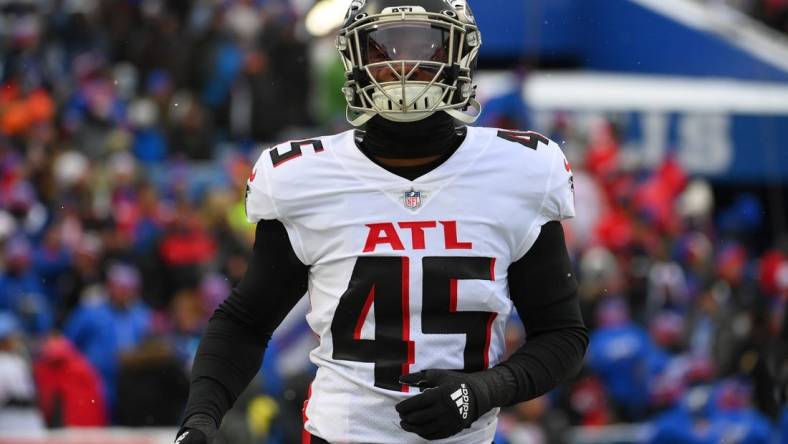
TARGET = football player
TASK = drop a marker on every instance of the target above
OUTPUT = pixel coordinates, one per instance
(413, 237)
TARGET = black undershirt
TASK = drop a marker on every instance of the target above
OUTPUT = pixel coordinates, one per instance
(413, 172)
(436, 135)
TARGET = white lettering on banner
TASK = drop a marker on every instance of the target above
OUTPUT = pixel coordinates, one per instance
(705, 143)
(654, 126)
(702, 141)
(92, 435)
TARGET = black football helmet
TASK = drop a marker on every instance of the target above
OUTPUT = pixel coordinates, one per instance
(407, 59)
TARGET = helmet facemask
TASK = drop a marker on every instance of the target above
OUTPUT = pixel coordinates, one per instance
(407, 65)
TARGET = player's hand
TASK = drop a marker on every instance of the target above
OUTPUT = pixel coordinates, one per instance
(446, 406)
(198, 429)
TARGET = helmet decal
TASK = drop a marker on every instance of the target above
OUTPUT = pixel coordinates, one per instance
(355, 6)
(398, 9)
(463, 10)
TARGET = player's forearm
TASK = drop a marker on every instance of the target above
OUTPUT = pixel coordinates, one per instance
(231, 350)
(544, 362)
(538, 366)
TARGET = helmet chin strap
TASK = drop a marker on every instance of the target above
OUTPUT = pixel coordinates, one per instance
(465, 117)
(356, 118)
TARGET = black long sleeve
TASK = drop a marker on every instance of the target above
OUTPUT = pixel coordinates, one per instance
(232, 348)
(544, 291)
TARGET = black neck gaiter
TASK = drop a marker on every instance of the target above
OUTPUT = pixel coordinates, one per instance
(436, 135)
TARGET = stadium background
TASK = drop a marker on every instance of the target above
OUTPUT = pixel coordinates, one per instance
(127, 131)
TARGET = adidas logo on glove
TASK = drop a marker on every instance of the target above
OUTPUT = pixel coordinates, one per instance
(462, 398)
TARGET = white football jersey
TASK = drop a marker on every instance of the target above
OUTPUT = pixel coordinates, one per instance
(406, 275)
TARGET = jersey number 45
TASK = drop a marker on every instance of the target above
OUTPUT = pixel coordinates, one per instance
(385, 281)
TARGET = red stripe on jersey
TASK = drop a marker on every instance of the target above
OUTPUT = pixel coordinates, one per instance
(406, 319)
(452, 295)
(306, 437)
(492, 270)
(364, 314)
(487, 340)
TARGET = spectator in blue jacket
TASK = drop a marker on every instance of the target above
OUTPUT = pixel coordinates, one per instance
(21, 291)
(622, 354)
(52, 260)
(710, 415)
(103, 329)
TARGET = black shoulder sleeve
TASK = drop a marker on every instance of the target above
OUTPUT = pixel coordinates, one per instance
(544, 290)
(232, 347)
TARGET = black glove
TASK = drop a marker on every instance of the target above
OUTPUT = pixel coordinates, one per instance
(198, 429)
(191, 436)
(450, 402)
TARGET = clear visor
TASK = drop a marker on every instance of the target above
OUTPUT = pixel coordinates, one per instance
(409, 41)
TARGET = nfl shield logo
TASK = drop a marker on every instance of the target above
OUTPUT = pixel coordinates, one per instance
(412, 199)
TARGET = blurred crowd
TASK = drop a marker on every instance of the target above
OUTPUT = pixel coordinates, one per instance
(772, 12)
(127, 131)
(126, 139)
(687, 318)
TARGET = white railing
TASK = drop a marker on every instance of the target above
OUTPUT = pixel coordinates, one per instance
(91, 436)
(730, 24)
(619, 92)
(620, 434)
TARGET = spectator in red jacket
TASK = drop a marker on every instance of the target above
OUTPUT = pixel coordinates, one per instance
(69, 388)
